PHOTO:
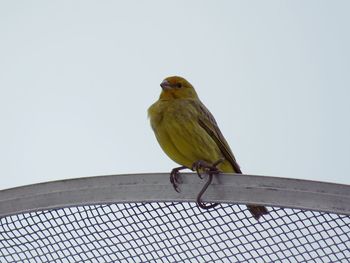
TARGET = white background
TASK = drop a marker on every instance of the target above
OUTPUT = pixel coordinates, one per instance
(77, 77)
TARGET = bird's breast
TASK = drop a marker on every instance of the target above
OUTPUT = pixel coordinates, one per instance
(163, 113)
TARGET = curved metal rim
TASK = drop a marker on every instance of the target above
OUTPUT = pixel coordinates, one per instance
(226, 188)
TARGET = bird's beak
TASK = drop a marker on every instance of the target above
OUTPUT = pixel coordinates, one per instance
(165, 85)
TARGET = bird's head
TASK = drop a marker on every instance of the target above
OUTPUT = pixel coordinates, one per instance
(177, 88)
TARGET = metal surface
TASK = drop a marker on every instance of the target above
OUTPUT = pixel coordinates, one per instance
(226, 188)
(140, 218)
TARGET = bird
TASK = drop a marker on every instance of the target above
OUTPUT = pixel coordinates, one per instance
(189, 134)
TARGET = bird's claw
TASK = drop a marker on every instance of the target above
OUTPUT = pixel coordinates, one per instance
(175, 179)
(206, 167)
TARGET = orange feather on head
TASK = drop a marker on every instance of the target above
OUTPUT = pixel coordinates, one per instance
(177, 87)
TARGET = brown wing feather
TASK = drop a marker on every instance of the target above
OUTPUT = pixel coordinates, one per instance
(208, 123)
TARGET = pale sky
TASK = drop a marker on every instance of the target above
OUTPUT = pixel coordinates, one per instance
(77, 77)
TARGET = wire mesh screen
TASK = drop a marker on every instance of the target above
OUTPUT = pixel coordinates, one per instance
(173, 232)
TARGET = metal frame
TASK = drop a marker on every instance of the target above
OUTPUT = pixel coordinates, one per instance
(225, 188)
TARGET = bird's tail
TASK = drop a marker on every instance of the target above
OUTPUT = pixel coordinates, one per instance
(257, 211)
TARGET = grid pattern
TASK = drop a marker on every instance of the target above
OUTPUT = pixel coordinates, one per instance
(173, 232)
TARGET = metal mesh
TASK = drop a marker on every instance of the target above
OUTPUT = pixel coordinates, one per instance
(173, 232)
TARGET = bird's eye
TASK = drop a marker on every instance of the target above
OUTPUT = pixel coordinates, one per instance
(178, 85)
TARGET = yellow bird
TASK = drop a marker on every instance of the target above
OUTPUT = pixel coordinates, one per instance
(189, 134)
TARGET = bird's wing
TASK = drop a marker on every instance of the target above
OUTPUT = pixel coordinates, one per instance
(207, 122)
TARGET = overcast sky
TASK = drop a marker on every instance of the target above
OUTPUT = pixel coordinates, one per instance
(77, 77)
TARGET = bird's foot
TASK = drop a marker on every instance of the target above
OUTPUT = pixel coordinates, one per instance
(206, 167)
(174, 177)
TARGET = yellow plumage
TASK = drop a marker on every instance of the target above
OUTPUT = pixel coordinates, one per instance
(187, 131)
